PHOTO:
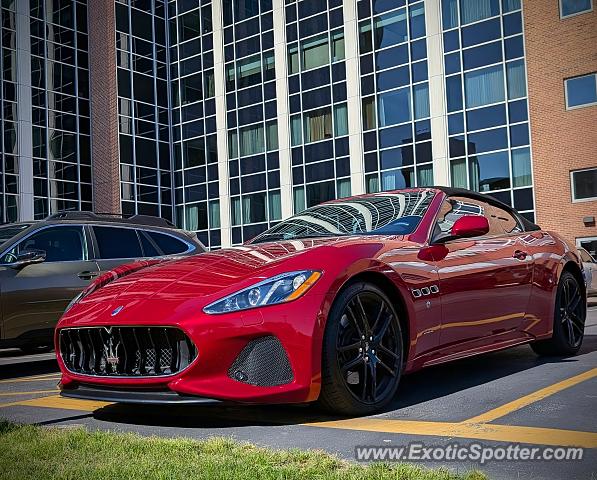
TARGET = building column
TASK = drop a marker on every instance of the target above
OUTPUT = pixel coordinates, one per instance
(353, 97)
(281, 59)
(437, 93)
(24, 128)
(104, 107)
(221, 130)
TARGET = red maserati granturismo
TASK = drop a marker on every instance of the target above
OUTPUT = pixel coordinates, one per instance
(332, 305)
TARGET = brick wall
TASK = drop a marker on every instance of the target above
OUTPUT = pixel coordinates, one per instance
(561, 140)
(104, 107)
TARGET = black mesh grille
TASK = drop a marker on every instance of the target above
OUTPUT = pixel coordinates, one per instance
(126, 351)
(263, 362)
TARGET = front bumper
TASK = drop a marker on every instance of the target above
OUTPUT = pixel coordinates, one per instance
(147, 397)
(220, 340)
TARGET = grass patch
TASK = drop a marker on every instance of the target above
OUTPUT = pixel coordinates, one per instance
(29, 452)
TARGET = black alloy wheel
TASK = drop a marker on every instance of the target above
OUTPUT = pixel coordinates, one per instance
(569, 320)
(363, 351)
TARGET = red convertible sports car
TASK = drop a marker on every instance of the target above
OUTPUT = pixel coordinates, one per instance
(333, 304)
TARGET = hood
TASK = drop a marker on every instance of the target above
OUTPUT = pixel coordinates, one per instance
(215, 273)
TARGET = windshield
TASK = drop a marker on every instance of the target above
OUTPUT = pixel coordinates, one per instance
(9, 231)
(377, 214)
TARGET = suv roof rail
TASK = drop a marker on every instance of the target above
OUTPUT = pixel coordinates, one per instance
(112, 217)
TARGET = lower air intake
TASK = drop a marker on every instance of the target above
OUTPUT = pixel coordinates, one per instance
(263, 362)
(126, 351)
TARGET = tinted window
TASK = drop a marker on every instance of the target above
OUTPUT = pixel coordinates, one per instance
(167, 244)
(500, 221)
(585, 257)
(61, 244)
(149, 250)
(117, 242)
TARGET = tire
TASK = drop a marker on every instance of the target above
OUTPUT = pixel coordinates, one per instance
(570, 312)
(362, 317)
(33, 349)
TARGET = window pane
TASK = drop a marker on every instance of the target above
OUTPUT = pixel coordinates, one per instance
(417, 21)
(510, 5)
(315, 52)
(338, 51)
(489, 172)
(271, 134)
(484, 86)
(585, 184)
(299, 199)
(517, 84)
(570, 7)
(394, 107)
(450, 13)
(340, 120)
(61, 244)
(296, 135)
(458, 173)
(149, 250)
(421, 93)
(581, 90)
(167, 244)
(251, 140)
(117, 242)
(318, 125)
(475, 10)
(521, 167)
(293, 63)
(368, 113)
(254, 208)
(391, 29)
(249, 71)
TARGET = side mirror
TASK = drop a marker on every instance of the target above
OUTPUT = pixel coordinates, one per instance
(28, 257)
(470, 226)
(466, 227)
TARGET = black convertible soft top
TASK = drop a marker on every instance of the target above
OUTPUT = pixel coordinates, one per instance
(461, 192)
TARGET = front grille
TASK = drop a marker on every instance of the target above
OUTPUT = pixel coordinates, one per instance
(126, 351)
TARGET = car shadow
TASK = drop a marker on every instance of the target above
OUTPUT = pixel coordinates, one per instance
(428, 384)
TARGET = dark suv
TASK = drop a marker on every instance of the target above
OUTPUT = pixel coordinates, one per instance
(43, 265)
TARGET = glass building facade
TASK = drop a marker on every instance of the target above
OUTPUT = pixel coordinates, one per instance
(233, 114)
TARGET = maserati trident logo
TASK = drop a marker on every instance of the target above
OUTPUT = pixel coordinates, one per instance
(111, 353)
(117, 310)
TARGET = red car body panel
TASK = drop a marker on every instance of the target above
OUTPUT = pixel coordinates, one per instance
(487, 298)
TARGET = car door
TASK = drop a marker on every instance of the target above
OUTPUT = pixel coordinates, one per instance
(115, 245)
(485, 282)
(34, 296)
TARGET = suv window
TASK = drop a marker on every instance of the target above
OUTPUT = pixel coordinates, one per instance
(149, 248)
(9, 231)
(114, 242)
(167, 244)
(61, 244)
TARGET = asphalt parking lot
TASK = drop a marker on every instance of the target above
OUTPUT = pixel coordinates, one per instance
(495, 399)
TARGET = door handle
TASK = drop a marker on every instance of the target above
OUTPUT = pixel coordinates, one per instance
(520, 255)
(87, 275)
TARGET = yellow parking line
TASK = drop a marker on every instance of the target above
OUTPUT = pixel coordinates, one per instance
(36, 378)
(500, 433)
(56, 401)
(521, 402)
(32, 392)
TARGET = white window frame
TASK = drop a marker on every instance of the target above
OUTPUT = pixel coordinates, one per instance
(562, 17)
(566, 92)
(573, 193)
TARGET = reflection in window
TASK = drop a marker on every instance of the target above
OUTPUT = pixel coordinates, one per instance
(489, 172)
(391, 29)
(394, 107)
(574, 7)
(581, 91)
(584, 184)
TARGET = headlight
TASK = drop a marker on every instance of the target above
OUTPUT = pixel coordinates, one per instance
(279, 289)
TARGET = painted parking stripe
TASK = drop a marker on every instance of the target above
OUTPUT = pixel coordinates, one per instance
(521, 402)
(491, 432)
(56, 401)
(31, 392)
(35, 378)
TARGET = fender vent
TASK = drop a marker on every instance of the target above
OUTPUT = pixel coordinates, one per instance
(263, 362)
